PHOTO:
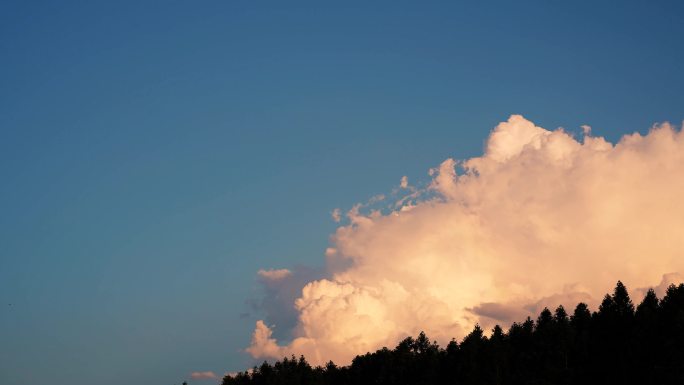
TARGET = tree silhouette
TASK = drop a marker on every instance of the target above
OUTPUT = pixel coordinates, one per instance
(615, 345)
(623, 304)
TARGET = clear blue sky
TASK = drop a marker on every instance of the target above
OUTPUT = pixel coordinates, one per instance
(155, 155)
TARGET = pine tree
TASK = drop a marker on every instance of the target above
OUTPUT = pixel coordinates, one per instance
(581, 317)
(544, 321)
(649, 306)
(623, 304)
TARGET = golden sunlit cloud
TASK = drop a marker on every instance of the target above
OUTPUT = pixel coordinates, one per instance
(540, 219)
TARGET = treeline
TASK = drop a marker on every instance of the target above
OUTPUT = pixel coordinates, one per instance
(617, 344)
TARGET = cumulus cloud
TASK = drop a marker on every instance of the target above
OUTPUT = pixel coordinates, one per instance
(540, 219)
(404, 182)
(263, 344)
(203, 375)
(281, 287)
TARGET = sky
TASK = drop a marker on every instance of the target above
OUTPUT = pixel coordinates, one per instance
(154, 156)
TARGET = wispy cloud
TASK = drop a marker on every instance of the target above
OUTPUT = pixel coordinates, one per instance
(336, 215)
(274, 274)
(208, 375)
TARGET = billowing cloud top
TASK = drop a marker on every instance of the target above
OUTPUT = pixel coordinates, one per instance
(540, 219)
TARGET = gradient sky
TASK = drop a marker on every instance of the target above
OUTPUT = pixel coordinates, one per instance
(155, 155)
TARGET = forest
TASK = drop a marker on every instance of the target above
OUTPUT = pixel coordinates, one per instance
(617, 344)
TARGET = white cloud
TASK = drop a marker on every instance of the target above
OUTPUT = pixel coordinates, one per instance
(203, 375)
(274, 274)
(540, 219)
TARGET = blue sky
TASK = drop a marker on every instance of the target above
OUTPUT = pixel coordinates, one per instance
(155, 155)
